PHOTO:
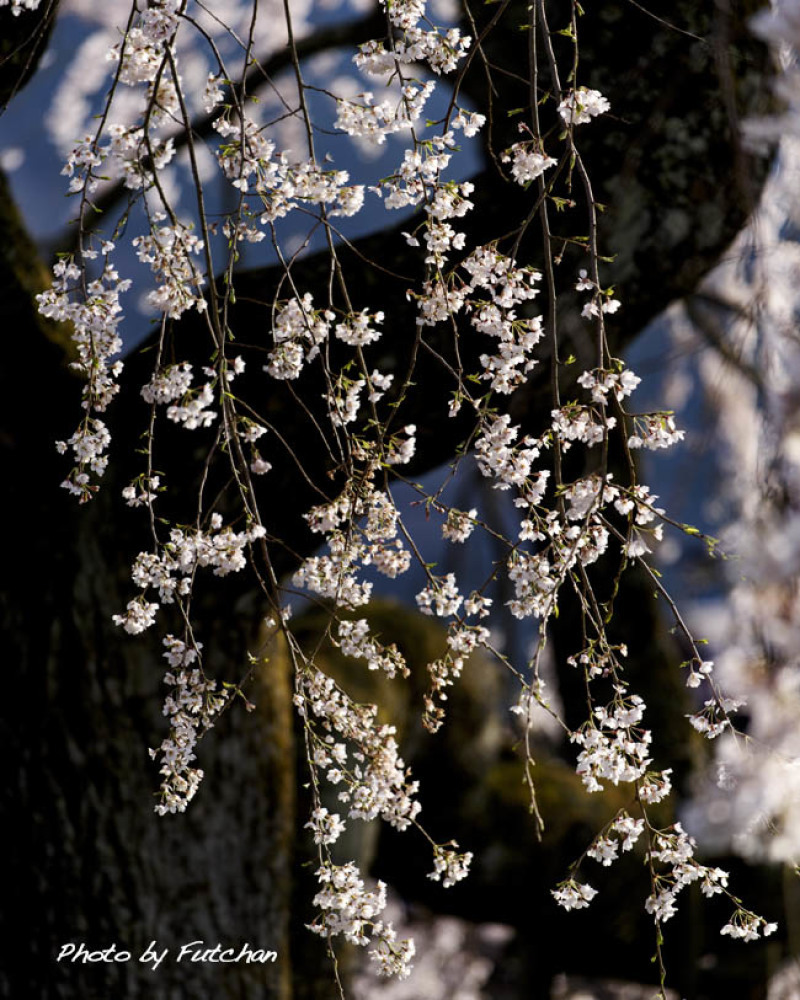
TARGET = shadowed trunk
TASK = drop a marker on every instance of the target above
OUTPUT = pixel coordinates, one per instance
(86, 859)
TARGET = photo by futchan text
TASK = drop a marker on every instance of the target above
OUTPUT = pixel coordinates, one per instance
(191, 951)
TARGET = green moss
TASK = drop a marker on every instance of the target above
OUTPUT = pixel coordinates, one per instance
(22, 275)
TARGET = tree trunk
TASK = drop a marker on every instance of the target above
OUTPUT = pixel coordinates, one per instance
(87, 860)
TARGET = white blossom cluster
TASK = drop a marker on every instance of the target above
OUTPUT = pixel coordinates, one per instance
(213, 93)
(95, 315)
(344, 402)
(441, 597)
(350, 909)
(537, 577)
(443, 673)
(602, 300)
(132, 155)
(375, 779)
(173, 384)
(18, 6)
(135, 153)
(418, 180)
(170, 570)
(141, 55)
(713, 719)
(598, 660)
(639, 504)
(602, 383)
(527, 161)
(168, 249)
(583, 424)
(250, 162)
(368, 120)
(674, 849)
(500, 458)
(495, 314)
(582, 534)
(605, 849)
(670, 856)
(142, 491)
(335, 574)
(85, 155)
(462, 640)
(746, 926)
(449, 866)
(655, 431)
(418, 176)
(354, 639)
(572, 895)
(327, 826)
(88, 444)
(508, 287)
(360, 329)
(581, 105)
(459, 524)
(298, 331)
(191, 706)
(614, 748)
(169, 384)
(439, 50)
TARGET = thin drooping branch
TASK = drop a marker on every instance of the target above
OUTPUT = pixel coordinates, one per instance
(260, 72)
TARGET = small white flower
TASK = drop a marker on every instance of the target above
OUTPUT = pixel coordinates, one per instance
(581, 105)
(573, 895)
